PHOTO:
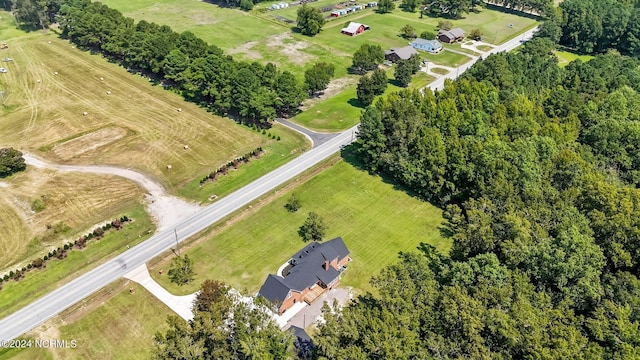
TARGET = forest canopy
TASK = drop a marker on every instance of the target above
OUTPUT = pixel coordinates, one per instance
(537, 168)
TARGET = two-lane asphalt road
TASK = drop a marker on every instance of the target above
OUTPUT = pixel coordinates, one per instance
(60, 299)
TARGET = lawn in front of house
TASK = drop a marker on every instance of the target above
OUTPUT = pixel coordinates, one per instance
(111, 324)
(374, 216)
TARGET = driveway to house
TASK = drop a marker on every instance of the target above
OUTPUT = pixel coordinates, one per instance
(317, 138)
(313, 312)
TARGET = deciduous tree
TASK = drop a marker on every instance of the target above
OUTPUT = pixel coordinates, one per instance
(310, 20)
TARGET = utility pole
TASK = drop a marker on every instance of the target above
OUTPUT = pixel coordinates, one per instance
(175, 231)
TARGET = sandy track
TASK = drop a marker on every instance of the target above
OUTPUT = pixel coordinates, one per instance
(167, 210)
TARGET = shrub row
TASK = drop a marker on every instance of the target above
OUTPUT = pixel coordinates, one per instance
(61, 252)
(212, 176)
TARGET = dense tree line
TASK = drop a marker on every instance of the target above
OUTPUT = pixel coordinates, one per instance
(536, 168)
(594, 26)
(224, 327)
(456, 8)
(201, 72)
(33, 14)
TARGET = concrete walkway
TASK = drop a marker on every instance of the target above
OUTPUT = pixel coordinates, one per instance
(182, 305)
(316, 138)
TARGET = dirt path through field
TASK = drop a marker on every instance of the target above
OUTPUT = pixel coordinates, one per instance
(166, 210)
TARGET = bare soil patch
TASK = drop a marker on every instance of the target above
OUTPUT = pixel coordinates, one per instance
(290, 47)
(88, 142)
(245, 49)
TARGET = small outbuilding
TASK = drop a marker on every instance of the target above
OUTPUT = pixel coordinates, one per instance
(432, 46)
(354, 29)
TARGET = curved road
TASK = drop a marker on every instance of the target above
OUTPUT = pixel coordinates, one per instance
(60, 299)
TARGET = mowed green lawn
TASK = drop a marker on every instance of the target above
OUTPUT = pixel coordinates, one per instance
(375, 218)
(276, 154)
(565, 57)
(343, 111)
(112, 324)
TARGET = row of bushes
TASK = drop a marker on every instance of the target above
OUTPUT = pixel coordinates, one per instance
(61, 252)
(212, 176)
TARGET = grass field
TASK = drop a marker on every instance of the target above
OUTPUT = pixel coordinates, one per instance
(79, 200)
(277, 154)
(137, 126)
(258, 36)
(343, 111)
(375, 219)
(565, 57)
(38, 282)
(111, 324)
(439, 70)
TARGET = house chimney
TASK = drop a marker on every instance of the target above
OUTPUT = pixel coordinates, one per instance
(326, 265)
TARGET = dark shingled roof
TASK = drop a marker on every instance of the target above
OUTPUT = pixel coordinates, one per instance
(274, 289)
(308, 268)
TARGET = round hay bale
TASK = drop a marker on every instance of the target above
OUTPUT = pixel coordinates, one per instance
(55, 73)
(169, 167)
(186, 147)
(85, 113)
(101, 79)
(49, 42)
(38, 81)
(179, 109)
(108, 92)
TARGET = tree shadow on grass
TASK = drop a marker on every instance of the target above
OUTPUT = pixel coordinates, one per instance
(355, 103)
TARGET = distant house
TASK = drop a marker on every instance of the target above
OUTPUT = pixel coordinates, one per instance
(396, 54)
(311, 271)
(451, 36)
(432, 46)
(371, 4)
(354, 28)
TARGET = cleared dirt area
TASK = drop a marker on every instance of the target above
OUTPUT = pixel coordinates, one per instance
(245, 49)
(287, 45)
(65, 105)
(88, 142)
(78, 200)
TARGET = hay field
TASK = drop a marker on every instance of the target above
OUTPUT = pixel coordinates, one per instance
(49, 86)
(78, 200)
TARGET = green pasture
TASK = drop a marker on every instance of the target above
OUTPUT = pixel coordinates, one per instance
(374, 216)
(343, 111)
(276, 154)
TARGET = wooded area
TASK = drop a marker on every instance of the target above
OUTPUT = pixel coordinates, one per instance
(537, 168)
(594, 26)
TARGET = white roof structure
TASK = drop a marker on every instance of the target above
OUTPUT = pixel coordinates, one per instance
(352, 28)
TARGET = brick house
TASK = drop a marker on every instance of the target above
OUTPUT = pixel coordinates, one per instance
(311, 271)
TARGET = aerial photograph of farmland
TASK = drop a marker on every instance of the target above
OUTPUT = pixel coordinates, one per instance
(320, 179)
